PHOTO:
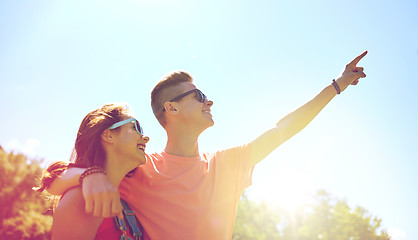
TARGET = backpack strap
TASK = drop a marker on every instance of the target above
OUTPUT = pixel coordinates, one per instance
(135, 226)
(120, 223)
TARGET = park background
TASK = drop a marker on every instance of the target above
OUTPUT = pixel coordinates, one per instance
(257, 60)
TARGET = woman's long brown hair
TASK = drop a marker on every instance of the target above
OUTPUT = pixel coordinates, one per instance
(88, 150)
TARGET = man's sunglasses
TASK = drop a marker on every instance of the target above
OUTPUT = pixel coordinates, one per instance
(138, 127)
(199, 95)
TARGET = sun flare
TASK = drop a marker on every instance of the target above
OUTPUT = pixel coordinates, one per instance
(288, 189)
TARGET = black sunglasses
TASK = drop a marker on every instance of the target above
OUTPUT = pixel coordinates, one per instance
(199, 95)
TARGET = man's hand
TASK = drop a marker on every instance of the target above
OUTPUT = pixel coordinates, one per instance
(102, 198)
(351, 73)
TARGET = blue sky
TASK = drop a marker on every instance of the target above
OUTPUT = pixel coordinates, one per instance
(257, 60)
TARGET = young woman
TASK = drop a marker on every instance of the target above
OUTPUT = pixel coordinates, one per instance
(110, 141)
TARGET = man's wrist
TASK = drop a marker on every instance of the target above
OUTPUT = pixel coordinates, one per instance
(89, 171)
(336, 86)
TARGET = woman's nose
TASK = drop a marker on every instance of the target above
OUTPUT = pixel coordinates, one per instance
(146, 138)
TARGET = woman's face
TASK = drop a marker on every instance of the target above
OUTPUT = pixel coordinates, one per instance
(130, 143)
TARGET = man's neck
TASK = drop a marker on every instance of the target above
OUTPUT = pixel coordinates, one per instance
(183, 145)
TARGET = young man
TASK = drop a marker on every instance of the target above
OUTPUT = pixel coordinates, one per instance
(180, 193)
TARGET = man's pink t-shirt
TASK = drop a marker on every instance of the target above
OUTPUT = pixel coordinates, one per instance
(189, 197)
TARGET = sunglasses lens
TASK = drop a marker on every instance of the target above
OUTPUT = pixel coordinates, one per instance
(138, 127)
(200, 96)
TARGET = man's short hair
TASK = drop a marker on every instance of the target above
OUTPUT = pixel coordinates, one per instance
(166, 90)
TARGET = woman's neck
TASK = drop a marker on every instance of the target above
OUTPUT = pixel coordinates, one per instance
(116, 171)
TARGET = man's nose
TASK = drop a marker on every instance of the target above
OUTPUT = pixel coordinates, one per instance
(209, 102)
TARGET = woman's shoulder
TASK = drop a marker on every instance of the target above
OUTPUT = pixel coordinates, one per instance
(71, 199)
(70, 218)
(72, 204)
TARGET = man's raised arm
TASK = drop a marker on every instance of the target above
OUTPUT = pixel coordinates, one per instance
(102, 198)
(297, 120)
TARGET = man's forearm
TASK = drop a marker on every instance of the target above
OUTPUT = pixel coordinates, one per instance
(297, 120)
(291, 124)
(294, 122)
(68, 179)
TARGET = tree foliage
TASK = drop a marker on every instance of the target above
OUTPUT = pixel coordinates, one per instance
(327, 218)
(251, 217)
(21, 212)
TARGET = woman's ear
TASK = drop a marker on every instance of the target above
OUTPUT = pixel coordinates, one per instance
(107, 136)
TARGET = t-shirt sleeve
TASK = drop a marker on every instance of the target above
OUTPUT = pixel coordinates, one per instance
(235, 162)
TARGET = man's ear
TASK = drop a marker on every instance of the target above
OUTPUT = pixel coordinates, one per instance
(107, 136)
(170, 107)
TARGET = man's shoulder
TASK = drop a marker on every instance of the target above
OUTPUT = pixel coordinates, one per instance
(154, 155)
(157, 156)
(228, 152)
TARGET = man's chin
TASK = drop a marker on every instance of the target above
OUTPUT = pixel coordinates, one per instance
(211, 122)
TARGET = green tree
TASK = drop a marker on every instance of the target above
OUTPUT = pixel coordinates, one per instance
(330, 218)
(327, 218)
(251, 218)
(21, 214)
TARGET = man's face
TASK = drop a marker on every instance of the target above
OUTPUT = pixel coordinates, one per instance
(193, 112)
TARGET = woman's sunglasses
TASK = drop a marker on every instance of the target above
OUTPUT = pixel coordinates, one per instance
(199, 95)
(138, 127)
